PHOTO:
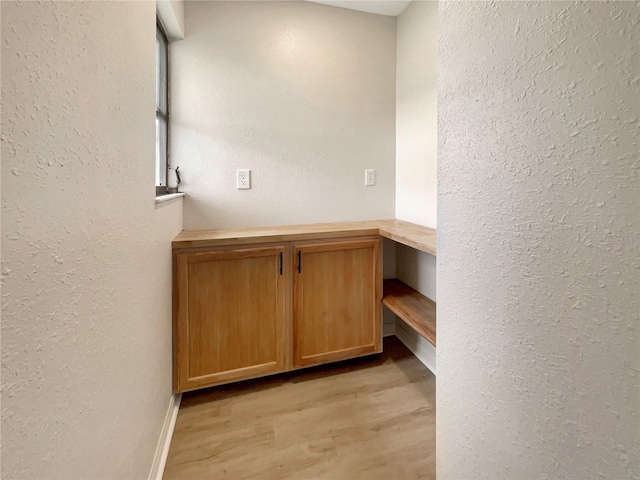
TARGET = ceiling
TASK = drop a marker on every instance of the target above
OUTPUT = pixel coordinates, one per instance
(391, 8)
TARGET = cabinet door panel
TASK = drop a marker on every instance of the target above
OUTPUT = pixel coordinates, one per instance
(337, 295)
(230, 315)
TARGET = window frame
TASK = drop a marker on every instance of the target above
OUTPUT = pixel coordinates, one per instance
(162, 109)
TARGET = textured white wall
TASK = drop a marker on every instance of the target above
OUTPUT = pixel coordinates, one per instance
(86, 272)
(302, 94)
(416, 136)
(538, 253)
(416, 152)
(416, 114)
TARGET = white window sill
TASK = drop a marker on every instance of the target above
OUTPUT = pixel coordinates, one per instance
(169, 197)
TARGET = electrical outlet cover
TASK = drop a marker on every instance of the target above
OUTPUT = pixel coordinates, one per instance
(369, 177)
(243, 179)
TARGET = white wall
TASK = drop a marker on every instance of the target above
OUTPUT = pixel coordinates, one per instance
(86, 272)
(538, 342)
(302, 94)
(416, 153)
(416, 114)
(417, 269)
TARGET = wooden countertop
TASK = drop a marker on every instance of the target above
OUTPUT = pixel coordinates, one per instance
(416, 236)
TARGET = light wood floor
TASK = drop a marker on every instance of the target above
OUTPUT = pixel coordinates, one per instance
(361, 419)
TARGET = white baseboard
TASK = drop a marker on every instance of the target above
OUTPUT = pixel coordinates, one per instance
(422, 349)
(388, 329)
(162, 450)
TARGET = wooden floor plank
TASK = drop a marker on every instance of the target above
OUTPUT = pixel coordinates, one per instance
(367, 418)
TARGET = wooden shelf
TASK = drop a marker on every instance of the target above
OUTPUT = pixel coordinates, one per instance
(415, 236)
(411, 306)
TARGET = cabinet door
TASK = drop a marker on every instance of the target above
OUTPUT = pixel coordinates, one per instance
(336, 300)
(229, 315)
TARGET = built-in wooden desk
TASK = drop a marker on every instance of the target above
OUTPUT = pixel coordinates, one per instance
(415, 236)
(412, 307)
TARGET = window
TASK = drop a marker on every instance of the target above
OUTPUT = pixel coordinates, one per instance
(162, 110)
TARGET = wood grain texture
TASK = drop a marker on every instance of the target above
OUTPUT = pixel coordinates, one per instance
(230, 316)
(415, 309)
(370, 418)
(336, 302)
(416, 236)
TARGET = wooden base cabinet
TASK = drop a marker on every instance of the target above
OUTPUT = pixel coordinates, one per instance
(250, 311)
(336, 301)
(229, 315)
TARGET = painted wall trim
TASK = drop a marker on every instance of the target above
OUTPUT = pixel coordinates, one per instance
(423, 350)
(164, 442)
